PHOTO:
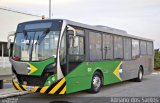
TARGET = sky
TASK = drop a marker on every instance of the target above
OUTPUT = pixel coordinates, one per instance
(137, 17)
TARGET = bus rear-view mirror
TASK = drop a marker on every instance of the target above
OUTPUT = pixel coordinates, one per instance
(70, 32)
(9, 39)
(9, 44)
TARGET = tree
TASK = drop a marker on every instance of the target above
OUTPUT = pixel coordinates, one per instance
(157, 60)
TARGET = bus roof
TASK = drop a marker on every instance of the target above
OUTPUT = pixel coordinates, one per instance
(106, 29)
(100, 28)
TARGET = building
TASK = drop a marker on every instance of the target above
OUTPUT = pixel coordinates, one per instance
(9, 20)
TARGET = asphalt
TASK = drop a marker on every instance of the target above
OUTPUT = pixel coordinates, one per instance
(148, 88)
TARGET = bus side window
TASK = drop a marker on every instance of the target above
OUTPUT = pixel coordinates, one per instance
(149, 48)
(118, 47)
(76, 51)
(135, 49)
(107, 46)
(63, 50)
(143, 47)
(73, 45)
(127, 48)
(76, 48)
(95, 46)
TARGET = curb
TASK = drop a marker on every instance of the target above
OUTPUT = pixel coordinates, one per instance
(13, 94)
(156, 73)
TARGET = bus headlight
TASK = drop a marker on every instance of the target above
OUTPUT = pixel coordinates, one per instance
(53, 79)
(49, 83)
(14, 78)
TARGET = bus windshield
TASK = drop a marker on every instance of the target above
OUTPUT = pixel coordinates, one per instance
(35, 45)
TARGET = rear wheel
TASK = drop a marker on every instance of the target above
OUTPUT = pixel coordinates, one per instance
(96, 83)
(140, 75)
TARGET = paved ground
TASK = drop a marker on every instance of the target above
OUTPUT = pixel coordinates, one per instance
(148, 88)
(9, 91)
(7, 85)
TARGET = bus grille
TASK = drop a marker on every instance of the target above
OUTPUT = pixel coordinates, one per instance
(32, 80)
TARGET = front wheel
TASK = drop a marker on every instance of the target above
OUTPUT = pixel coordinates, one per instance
(96, 83)
(140, 75)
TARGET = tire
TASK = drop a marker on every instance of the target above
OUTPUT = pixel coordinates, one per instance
(96, 82)
(140, 75)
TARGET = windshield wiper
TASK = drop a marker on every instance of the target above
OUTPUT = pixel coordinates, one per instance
(43, 36)
(32, 47)
(36, 43)
(29, 43)
(25, 34)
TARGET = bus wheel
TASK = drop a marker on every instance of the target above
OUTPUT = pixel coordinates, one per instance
(96, 83)
(140, 75)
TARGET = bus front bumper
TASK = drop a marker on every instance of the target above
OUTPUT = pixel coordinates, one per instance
(56, 88)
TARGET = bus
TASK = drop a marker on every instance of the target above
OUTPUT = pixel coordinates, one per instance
(59, 56)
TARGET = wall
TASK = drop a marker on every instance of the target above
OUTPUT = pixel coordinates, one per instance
(9, 21)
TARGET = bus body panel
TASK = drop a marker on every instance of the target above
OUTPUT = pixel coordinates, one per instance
(131, 68)
(80, 78)
(113, 72)
(31, 68)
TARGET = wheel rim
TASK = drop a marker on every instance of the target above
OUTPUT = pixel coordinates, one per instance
(140, 74)
(96, 82)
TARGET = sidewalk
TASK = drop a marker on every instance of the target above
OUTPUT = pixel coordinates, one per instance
(156, 72)
(4, 93)
(9, 91)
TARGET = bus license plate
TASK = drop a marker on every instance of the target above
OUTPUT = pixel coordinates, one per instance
(30, 88)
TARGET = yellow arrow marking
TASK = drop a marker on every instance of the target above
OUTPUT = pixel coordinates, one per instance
(116, 72)
(33, 68)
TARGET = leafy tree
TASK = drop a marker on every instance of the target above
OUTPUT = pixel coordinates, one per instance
(157, 59)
